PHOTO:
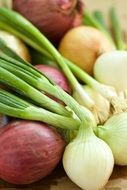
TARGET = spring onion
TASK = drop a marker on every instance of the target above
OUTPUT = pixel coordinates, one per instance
(9, 20)
(118, 103)
(114, 133)
(98, 15)
(17, 107)
(20, 70)
(117, 30)
(91, 21)
(88, 160)
(8, 78)
(101, 103)
(19, 26)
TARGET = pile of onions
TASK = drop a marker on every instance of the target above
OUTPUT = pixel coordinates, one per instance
(28, 151)
(53, 17)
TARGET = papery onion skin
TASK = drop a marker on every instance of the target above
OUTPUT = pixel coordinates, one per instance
(82, 45)
(52, 17)
(28, 151)
(16, 45)
(88, 163)
(111, 69)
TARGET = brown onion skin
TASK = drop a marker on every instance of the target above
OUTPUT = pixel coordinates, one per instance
(28, 151)
(53, 17)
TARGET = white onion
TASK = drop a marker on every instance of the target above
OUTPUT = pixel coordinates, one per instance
(111, 69)
(88, 161)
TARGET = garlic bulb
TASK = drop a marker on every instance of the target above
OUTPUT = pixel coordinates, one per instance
(114, 133)
(88, 161)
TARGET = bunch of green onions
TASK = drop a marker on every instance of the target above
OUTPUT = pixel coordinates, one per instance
(27, 81)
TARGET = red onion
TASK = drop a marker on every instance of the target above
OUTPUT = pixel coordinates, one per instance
(28, 151)
(55, 75)
(52, 17)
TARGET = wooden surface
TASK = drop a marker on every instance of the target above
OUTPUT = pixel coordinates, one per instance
(58, 179)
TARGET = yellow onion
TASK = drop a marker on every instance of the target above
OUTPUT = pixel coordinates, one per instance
(82, 45)
(15, 44)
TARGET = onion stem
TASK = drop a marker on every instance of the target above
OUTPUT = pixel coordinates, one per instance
(117, 30)
(104, 90)
(16, 107)
(15, 23)
(100, 19)
(21, 86)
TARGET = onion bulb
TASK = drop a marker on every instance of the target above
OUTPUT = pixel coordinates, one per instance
(82, 45)
(111, 69)
(28, 151)
(53, 17)
(15, 44)
(88, 161)
(103, 106)
(55, 75)
(114, 133)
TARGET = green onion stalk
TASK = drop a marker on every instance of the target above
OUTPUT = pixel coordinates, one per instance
(21, 86)
(19, 26)
(17, 107)
(97, 21)
(25, 79)
(98, 15)
(85, 139)
(117, 30)
(15, 23)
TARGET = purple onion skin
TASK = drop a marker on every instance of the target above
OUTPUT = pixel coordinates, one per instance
(55, 75)
(28, 151)
(53, 17)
